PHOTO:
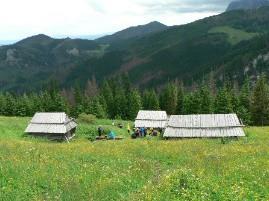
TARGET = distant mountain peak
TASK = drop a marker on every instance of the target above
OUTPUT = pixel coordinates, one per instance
(247, 4)
(40, 38)
(134, 32)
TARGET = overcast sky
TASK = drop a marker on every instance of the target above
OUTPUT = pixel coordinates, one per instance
(22, 18)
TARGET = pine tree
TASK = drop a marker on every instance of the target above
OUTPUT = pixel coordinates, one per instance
(121, 103)
(180, 100)
(91, 89)
(150, 100)
(107, 94)
(245, 98)
(260, 103)
(194, 103)
(223, 102)
(134, 104)
(187, 104)
(205, 100)
(96, 108)
(168, 99)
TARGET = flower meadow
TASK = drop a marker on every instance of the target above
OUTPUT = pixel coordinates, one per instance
(142, 169)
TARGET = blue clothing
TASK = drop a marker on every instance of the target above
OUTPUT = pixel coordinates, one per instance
(111, 135)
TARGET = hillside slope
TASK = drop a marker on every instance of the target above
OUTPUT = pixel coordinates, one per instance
(233, 43)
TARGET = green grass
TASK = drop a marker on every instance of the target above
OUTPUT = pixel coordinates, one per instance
(234, 35)
(144, 169)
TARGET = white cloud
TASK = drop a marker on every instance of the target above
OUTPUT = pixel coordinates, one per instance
(22, 18)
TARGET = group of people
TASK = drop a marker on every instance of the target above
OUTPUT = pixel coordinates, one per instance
(137, 132)
(143, 132)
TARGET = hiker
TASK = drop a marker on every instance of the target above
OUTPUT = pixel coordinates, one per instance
(137, 133)
(146, 131)
(120, 125)
(111, 135)
(133, 136)
(151, 131)
(100, 131)
(142, 131)
(128, 128)
(154, 133)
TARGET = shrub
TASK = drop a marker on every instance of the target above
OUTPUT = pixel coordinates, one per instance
(87, 118)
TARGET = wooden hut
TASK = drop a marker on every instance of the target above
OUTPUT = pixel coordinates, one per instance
(56, 126)
(151, 119)
(204, 126)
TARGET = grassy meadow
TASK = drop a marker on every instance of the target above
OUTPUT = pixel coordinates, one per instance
(142, 169)
(234, 35)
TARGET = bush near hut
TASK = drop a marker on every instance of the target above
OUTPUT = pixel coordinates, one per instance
(87, 118)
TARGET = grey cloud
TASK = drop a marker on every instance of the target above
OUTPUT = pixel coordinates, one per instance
(187, 6)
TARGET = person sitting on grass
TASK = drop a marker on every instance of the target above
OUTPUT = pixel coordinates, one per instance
(111, 135)
(133, 135)
(154, 133)
(137, 133)
(100, 131)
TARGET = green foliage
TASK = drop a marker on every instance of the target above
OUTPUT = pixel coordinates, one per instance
(223, 101)
(117, 99)
(260, 102)
(134, 104)
(168, 98)
(87, 118)
(150, 100)
(180, 100)
(206, 102)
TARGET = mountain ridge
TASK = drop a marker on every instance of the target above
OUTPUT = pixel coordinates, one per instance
(226, 44)
(247, 4)
(133, 32)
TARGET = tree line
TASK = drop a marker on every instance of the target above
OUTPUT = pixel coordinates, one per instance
(118, 99)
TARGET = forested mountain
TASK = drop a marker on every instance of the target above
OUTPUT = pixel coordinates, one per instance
(133, 32)
(231, 44)
(247, 4)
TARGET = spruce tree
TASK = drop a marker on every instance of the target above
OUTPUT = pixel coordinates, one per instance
(91, 89)
(150, 100)
(107, 94)
(168, 99)
(223, 101)
(180, 100)
(205, 100)
(134, 104)
(260, 103)
(120, 103)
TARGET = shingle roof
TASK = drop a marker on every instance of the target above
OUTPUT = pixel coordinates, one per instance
(50, 123)
(151, 115)
(212, 125)
(151, 119)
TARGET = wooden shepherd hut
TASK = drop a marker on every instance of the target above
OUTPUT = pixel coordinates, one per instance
(151, 119)
(204, 126)
(56, 126)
